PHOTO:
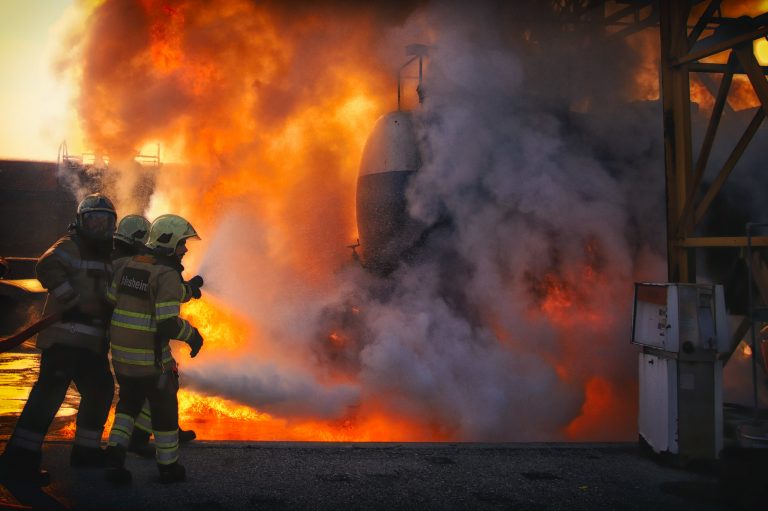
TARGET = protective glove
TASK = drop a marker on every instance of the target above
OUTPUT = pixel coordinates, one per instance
(195, 342)
(195, 283)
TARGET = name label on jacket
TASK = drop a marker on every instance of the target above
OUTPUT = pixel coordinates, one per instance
(135, 282)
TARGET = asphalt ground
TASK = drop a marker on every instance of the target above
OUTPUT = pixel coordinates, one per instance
(333, 476)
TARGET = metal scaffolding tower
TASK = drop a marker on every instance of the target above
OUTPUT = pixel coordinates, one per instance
(686, 41)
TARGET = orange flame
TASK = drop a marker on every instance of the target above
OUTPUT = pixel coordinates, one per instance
(222, 329)
(703, 86)
(271, 112)
(68, 431)
(214, 418)
(605, 414)
(571, 299)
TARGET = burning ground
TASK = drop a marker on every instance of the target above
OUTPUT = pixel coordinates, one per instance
(541, 184)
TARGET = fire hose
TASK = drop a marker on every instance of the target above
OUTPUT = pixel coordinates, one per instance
(10, 342)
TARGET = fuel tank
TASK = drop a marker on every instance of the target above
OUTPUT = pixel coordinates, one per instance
(390, 159)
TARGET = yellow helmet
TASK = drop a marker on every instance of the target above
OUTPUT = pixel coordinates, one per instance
(167, 231)
(132, 229)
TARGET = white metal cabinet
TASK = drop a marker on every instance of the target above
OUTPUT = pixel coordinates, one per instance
(682, 328)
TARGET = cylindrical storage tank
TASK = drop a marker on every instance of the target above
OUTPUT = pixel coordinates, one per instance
(390, 158)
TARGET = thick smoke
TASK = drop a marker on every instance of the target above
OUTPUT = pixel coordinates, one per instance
(279, 391)
(458, 337)
(531, 207)
(128, 184)
(542, 186)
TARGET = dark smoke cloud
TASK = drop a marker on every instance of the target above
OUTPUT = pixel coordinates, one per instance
(526, 197)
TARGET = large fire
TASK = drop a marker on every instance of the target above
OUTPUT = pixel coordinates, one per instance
(266, 109)
(703, 86)
(269, 110)
(218, 418)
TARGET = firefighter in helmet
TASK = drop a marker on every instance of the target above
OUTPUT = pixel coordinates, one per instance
(130, 238)
(76, 271)
(147, 291)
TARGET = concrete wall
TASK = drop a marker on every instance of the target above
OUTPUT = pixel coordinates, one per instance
(35, 209)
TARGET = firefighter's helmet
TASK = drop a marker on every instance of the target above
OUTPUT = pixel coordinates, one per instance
(167, 231)
(96, 217)
(133, 229)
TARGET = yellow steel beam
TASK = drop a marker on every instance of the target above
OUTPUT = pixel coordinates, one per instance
(709, 49)
(683, 226)
(676, 105)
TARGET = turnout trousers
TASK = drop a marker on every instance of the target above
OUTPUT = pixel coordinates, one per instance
(61, 365)
(160, 392)
(143, 421)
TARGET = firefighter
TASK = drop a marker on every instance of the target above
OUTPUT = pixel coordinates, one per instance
(131, 234)
(147, 291)
(130, 237)
(76, 271)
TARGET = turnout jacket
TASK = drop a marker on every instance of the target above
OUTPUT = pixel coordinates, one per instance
(74, 273)
(123, 249)
(147, 292)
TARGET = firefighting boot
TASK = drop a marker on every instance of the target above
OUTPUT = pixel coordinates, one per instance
(82, 457)
(140, 444)
(116, 471)
(173, 473)
(22, 465)
(186, 435)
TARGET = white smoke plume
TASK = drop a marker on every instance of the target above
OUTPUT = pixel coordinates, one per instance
(278, 391)
(128, 184)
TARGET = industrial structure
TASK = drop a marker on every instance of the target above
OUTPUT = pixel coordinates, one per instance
(690, 339)
(685, 51)
(45, 194)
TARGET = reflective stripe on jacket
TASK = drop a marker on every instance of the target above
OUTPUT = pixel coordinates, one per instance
(144, 293)
(73, 274)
